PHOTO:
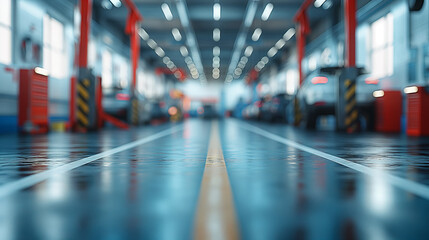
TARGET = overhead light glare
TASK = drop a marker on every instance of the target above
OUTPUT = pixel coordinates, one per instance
(176, 34)
(159, 52)
(143, 34)
(280, 43)
(264, 60)
(116, 3)
(289, 34)
(184, 51)
(256, 34)
(273, 51)
(216, 11)
(319, 3)
(151, 43)
(267, 11)
(216, 51)
(248, 51)
(167, 12)
(216, 34)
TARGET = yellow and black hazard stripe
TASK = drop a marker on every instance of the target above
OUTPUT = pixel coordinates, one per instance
(135, 112)
(83, 98)
(297, 112)
(352, 114)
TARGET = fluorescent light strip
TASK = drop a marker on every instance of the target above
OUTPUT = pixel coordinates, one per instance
(143, 34)
(273, 51)
(289, 34)
(256, 34)
(151, 43)
(116, 3)
(216, 34)
(280, 43)
(159, 52)
(216, 11)
(267, 12)
(216, 51)
(176, 34)
(319, 3)
(248, 51)
(167, 12)
(184, 51)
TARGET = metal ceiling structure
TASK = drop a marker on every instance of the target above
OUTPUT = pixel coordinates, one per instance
(196, 44)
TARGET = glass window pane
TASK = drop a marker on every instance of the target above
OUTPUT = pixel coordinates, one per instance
(106, 68)
(57, 35)
(378, 33)
(57, 66)
(5, 12)
(5, 45)
(389, 23)
(389, 54)
(47, 58)
(378, 63)
(46, 30)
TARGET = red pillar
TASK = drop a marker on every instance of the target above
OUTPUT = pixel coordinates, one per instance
(350, 25)
(132, 29)
(300, 41)
(85, 26)
(302, 32)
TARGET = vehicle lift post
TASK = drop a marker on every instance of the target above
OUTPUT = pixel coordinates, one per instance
(131, 28)
(346, 112)
(303, 29)
(85, 88)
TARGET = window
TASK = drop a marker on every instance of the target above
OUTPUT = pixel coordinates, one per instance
(106, 69)
(381, 47)
(292, 81)
(54, 56)
(6, 32)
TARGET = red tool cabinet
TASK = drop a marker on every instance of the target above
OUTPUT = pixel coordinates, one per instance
(33, 101)
(388, 109)
(418, 112)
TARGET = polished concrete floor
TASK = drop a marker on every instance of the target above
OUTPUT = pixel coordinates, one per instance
(223, 179)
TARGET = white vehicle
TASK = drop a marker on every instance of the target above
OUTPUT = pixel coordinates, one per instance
(318, 95)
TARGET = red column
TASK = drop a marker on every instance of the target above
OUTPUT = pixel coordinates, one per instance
(132, 29)
(85, 25)
(350, 25)
(300, 41)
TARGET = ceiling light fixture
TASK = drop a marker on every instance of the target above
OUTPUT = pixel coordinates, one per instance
(256, 34)
(289, 34)
(216, 11)
(116, 3)
(216, 34)
(184, 51)
(151, 43)
(319, 3)
(143, 34)
(216, 51)
(248, 51)
(159, 52)
(267, 12)
(280, 43)
(167, 12)
(273, 51)
(176, 34)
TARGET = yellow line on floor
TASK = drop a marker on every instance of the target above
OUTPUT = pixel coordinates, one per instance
(215, 217)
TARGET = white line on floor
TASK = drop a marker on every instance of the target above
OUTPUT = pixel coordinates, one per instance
(31, 180)
(405, 184)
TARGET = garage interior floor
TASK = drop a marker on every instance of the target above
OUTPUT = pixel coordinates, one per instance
(220, 179)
